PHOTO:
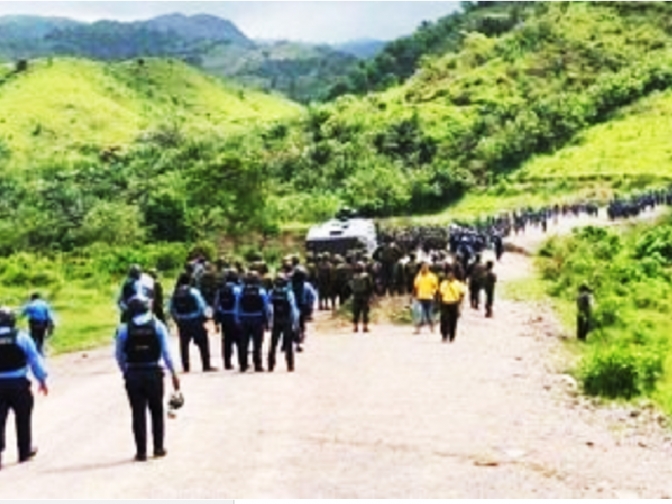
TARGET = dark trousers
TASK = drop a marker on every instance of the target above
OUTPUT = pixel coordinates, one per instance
(15, 395)
(38, 331)
(193, 330)
(251, 328)
(360, 309)
(474, 294)
(489, 300)
(230, 332)
(282, 329)
(323, 296)
(387, 278)
(145, 391)
(449, 315)
(582, 327)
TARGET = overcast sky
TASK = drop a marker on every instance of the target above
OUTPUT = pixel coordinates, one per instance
(312, 21)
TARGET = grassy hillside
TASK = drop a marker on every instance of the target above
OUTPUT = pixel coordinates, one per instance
(467, 120)
(71, 106)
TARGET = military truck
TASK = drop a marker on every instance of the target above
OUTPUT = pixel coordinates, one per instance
(342, 234)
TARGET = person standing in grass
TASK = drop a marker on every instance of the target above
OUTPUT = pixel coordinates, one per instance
(425, 287)
(451, 296)
(584, 303)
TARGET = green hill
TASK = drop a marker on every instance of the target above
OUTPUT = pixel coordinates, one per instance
(70, 106)
(466, 120)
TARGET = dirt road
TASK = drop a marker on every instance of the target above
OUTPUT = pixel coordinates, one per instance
(382, 415)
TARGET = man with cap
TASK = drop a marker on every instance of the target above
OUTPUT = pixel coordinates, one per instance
(285, 322)
(584, 303)
(17, 354)
(40, 320)
(141, 344)
(187, 308)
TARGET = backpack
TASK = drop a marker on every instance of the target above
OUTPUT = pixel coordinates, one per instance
(184, 302)
(227, 299)
(281, 305)
(251, 300)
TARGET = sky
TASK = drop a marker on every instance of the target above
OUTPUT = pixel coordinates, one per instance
(309, 21)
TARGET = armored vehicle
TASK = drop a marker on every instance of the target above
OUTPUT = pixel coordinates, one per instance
(342, 234)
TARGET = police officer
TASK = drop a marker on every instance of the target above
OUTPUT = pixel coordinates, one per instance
(129, 289)
(285, 322)
(305, 295)
(40, 320)
(141, 343)
(226, 315)
(17, 353)
(254, 316)
(188, 310)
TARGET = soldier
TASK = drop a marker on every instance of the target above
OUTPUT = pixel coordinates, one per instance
(362, 289)
(158, 301)
(584, 303)
(343, 275)
(410, 272)
(208, 284)
(489, 281)
(324, 282)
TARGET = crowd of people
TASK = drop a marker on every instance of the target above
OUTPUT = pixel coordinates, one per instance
(439, 267)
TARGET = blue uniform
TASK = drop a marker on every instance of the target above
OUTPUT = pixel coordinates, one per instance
(227, 316)
(162, 333)
(197, 313)
(187, 307)
(254, 314)
(40, 320)
(34, 360)
(18, 354)
(286, 317)
(140, 346)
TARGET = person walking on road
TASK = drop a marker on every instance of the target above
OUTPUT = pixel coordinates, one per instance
(141, 343)
(425, 288)
(187, 308)
(17, 354)
(285, 322)
(40, 320)
(489, 281)
(362, 289)
(451, 295)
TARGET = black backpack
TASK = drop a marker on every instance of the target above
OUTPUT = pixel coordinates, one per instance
(227, 298)
(281, 306)
(184, 302)
(251, 300)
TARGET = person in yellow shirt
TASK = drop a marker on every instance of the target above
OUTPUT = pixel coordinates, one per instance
(451, 295)
(425, 287)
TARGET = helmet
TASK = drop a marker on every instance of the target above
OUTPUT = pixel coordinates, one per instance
(176, 400)
(138, 305)
(134, 271)
(7, 317)
(280, 281)
(300, 274)
(252, 277)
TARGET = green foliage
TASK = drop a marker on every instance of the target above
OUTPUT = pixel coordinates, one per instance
(629, 345)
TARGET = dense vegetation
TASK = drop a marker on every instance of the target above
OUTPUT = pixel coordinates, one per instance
(466, 120)
(629, 351)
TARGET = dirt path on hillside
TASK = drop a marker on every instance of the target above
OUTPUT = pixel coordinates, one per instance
(382, 415)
